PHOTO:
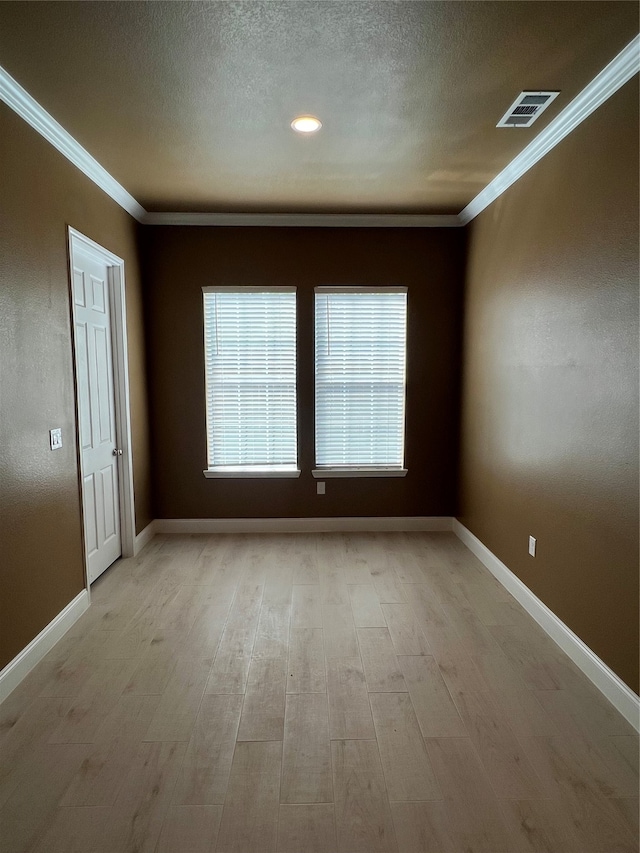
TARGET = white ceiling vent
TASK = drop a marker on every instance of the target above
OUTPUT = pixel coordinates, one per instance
(526, 108)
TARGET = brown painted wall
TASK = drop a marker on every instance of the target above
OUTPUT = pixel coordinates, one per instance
(550, 404)
(180, 261)
(41, 550)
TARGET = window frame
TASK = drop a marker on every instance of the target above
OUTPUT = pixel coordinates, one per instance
(356, 471)
(278, 471)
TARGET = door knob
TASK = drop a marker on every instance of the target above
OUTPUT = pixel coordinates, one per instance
(117, 451)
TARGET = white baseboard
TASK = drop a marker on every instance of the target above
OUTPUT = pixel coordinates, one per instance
(22, 664)
(302, 525)
(616, 691)
(144, 537)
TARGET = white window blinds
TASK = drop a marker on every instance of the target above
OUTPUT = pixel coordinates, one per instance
(250, 368)
(360, 360)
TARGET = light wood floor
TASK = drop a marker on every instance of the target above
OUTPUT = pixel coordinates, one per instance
(351, 693)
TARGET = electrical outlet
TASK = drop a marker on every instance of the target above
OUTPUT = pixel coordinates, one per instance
(55, 438)
(532, 546)
(320, 488)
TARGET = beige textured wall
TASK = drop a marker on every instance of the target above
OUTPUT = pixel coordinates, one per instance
(40, 539)
(550, 403)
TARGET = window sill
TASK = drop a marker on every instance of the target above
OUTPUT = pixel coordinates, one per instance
(358, 471)
(231, 472)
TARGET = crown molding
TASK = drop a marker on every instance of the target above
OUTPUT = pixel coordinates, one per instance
(306, 220)
(606, 83)
(21, 102)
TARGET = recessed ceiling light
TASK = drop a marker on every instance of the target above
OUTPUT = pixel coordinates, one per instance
(306, 124)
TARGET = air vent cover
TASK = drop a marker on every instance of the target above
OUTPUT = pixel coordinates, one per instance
(526, 108)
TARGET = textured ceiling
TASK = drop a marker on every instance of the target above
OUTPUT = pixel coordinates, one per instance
(188, 104)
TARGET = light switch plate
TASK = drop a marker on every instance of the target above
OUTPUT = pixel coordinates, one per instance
(320, 488)
(532, 546)
(55, 438)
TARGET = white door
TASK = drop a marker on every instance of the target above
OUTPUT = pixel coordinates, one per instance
(97, 427)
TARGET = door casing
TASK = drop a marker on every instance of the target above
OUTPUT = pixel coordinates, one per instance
(117, 304)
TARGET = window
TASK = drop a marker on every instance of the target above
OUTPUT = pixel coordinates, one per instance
(360, 381)
(250, 375)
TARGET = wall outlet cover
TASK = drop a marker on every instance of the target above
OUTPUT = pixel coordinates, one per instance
(320, 486)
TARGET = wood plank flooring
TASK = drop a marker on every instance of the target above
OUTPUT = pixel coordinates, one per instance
(356, 693)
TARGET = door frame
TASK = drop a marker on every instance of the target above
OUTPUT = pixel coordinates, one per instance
(120, 362)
